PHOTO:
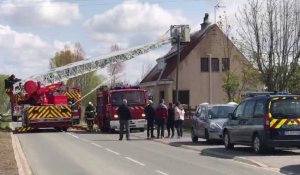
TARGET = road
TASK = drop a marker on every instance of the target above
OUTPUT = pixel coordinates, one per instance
(80, 153)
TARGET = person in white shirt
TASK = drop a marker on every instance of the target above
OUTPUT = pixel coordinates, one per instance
(179, 117)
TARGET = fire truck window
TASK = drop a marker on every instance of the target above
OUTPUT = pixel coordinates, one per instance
(131, 97)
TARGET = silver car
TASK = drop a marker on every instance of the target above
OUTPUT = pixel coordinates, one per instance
(209, 119)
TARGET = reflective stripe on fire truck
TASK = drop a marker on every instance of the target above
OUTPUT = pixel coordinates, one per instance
(278, 123)
(23, 129)
(36, 112)
(73, 94)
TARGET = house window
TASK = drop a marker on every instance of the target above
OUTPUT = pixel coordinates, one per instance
(183, 96)
(215, 65)
(225, 64)
(161, 95)
(204, 65)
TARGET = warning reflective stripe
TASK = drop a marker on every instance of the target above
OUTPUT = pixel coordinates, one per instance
(281, 123)
(49, 112)
(273, 122)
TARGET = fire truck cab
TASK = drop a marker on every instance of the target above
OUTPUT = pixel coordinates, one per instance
(108, 101)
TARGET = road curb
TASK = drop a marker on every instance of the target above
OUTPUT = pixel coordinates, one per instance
(23, 166)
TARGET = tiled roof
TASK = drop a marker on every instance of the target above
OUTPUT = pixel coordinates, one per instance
(171, 57)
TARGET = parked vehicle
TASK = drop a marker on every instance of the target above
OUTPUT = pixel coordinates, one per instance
(264, 121)
(209, 120)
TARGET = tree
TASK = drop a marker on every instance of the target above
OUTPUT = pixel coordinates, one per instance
(3, 97)
(85, 82)
(236, 83)
(115, 68)
(270, 31)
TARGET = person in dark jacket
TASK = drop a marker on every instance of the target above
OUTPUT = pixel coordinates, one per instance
(161, 116)
(150, 116)
(171, 120)
(124, 116)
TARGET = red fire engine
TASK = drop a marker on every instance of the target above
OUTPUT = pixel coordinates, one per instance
(108, 101)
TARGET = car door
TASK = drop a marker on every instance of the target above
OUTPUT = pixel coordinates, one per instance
(246, 122)
(233, 123)
(196, 121)
(202, 120)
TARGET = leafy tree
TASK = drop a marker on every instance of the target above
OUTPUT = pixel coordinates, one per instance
(3, 97)
(231, 85)
(115, 68)
(85, 82)
(236, 83)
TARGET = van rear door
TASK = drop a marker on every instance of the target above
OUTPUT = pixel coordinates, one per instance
(284, 113)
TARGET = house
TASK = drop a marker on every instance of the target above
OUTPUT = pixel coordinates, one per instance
(200, 80)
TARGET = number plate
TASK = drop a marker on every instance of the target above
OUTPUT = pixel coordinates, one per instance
(292, 133)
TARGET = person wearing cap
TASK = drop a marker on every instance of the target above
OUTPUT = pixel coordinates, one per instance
(150, 116)
(124, 116)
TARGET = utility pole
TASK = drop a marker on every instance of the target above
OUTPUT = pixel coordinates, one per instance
(177, 67)
(180, 34)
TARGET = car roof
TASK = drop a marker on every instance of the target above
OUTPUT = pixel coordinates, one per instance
(270, 96)
(212, 105)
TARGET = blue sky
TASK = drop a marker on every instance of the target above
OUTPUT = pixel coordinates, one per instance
(31, 31)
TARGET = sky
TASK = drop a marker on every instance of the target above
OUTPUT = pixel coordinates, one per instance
(32, 31)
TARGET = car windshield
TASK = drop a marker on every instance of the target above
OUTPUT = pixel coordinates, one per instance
(132, 97)
(220, 111)
(288, 108)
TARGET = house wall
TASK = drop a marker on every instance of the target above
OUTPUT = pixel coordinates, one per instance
(190, 76)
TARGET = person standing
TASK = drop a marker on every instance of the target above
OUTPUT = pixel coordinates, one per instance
(150, 114)
(124, 116)
(161, 115)
(179, 117)
(170, 120)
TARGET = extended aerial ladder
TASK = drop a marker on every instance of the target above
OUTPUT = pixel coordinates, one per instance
(43, 83)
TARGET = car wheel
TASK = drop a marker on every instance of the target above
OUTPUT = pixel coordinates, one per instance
(207, 136)
(258, 145)
(227, 143)
(194, 137)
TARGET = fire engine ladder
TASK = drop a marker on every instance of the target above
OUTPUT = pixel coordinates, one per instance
(76, 69)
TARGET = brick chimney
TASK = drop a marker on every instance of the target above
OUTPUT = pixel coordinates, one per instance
(205, 21)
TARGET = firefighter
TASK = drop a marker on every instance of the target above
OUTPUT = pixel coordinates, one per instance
(89, 114)
(8, 85)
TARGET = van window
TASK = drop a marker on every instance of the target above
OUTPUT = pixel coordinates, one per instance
(239, 110)
(285, 108)
(259, 109)
(249, 108)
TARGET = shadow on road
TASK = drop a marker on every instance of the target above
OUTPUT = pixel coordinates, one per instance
(290, 169)
(245, 152)
(199, 143)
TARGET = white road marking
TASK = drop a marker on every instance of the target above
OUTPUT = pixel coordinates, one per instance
(135, 161)
(160, 172)
(109, 150)
(96, 145)
(73, 135)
